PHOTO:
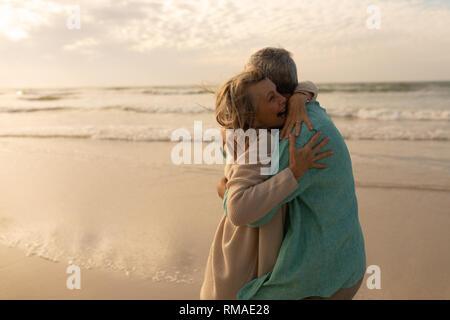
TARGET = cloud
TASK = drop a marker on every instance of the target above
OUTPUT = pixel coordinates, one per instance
(218, 24)
(84, 46)
(329, 38)
(18, 18)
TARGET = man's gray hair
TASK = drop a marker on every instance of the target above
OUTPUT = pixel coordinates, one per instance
(277, 65)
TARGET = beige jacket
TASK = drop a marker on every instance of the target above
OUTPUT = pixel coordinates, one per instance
(240, 253)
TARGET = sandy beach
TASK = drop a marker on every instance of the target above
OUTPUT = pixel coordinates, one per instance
(140, 227)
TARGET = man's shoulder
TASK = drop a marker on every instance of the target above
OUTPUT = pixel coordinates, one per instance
(320, 121)
(316, 112)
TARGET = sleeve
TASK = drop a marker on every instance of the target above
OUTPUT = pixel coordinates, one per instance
(308, 86)
(305, 181)
(249, 198)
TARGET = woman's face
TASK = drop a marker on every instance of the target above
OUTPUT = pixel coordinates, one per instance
(271, 110)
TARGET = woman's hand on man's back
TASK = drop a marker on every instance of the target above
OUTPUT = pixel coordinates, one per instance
(222, 187)
(302, 159)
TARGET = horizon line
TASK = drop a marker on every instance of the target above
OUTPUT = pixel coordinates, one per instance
(213, 84)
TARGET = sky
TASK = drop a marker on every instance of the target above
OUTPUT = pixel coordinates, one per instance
(184, 42)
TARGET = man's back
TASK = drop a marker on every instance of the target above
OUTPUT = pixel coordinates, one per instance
(323, 249)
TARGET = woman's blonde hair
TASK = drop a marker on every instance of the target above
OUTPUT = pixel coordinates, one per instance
(235, 108)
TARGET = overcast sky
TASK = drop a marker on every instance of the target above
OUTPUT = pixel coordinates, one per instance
(169, 42)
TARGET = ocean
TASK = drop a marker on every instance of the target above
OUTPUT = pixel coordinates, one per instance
(362, 111)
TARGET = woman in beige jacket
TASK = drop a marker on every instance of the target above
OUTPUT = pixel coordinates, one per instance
(240, 253)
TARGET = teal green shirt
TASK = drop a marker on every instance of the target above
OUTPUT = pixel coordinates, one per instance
(323, 246)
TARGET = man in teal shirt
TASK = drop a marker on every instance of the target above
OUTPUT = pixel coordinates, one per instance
(323, 252)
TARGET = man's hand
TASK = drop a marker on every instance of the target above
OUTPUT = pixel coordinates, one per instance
(296, 114)
(222, 187)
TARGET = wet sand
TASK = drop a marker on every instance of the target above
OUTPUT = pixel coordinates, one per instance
(140, 227)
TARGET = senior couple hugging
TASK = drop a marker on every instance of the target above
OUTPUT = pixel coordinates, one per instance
(293, 234)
